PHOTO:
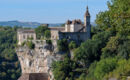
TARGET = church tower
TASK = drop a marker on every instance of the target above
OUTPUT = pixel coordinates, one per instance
(87, 23)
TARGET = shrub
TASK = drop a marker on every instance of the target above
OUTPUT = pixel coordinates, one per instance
(40, 31)
(62, 45)
(23, 43)
(105, 66)
(30, 44)
(72, 45)
(47, 34)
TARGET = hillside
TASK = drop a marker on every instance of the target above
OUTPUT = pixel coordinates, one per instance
(26, 24)
(19, 23)
(30, 24)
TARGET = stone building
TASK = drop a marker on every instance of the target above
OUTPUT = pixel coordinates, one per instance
(73, 26)
(74, 30)
(25, 34)
(55, 32)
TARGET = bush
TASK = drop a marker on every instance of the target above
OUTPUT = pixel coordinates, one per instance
(63, 45)
(105, 66)
(30, 44)
(47, 34)
(23, 43)
(8, 55)
(40, 31)
(72, 45)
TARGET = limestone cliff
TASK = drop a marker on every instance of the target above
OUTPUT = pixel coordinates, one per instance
(39, 59)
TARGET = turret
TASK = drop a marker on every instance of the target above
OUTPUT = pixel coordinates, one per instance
(87, 23)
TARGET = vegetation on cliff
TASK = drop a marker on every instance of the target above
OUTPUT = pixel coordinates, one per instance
(42, 32)
(9, 65)
(107, 54)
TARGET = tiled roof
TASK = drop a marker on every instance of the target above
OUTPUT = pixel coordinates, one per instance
(76, 21)
(68, 22)
(57, 28)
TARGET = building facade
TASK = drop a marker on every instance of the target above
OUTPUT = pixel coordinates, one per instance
(25, 34)
(74, 30)
(73, 26)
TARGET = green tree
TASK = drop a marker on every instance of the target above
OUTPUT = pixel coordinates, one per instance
(47, 34)
(72, 45)
(30, 44)
(63, 45)
(61, 69)
(110, 39)
(8, 55)
(40, 31)
(104, 66)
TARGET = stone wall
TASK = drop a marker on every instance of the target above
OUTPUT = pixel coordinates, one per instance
(25, 34)
(33, 61)
(75, 27)
(74, 36)
(54, 35)
(38, 60)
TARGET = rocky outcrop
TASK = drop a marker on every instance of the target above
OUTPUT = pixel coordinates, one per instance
(39, 59)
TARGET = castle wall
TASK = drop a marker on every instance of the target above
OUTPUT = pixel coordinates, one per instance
(76, 27)
(67, 27)
(54, 34)
(24, 35)
(74, 36)
(73, 27)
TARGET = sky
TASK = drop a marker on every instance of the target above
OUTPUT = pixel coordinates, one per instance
(49, 11)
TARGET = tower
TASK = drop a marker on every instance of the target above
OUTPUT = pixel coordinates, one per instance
(87, 23)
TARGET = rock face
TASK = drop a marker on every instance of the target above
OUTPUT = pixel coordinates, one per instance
(38, 60)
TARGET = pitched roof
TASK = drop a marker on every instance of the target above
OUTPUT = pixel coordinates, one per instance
(57, 28)
(76, 21)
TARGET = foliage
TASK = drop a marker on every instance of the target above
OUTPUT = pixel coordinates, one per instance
(107, 54)
(72, 45)
(117, 46)
(62, 45)
(122, 69)
(30, 44)
(42, 31)
(9, 65)
(117, 21)
(103, 67)
(62, 70)
(47, 34)
(90, 50)
(23, 43)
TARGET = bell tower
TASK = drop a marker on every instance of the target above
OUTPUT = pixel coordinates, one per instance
(87, 23)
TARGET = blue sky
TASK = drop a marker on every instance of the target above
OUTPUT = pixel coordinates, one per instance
(49, 11)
